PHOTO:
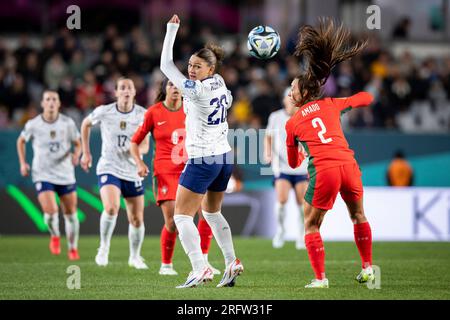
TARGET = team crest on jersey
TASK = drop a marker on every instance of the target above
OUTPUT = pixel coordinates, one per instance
(164, 190)
(53, 134)
(123, 125)
(189, 84)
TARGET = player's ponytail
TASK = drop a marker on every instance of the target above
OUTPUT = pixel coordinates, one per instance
(322, 48)
(212, 54)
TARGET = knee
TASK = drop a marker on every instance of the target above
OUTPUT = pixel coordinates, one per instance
(312, 225)
(111, 209)
(358, 217)
(170, 225)
(282, 200)
(50, 209)
(136, 222)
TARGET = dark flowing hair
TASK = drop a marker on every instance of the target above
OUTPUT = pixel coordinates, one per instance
(161, 96)
(322, 48)
(212, 54)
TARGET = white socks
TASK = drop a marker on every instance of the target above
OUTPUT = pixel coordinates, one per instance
(190, 240)
(222, 232)
(52, 222)
(136, 238)
(107, 225)
(280, 213)
(72, 230)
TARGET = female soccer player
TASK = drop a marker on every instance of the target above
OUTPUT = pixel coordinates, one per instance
(316, 125)
(165, 121)
(285, 177)
(208, 169)
(53, 135)
(116, 169)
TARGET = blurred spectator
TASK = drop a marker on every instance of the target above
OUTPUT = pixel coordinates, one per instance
(55, 70)
(400, 172)
(90, 93)
(401, 30)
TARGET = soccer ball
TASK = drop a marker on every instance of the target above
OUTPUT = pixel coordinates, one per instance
(263, 42)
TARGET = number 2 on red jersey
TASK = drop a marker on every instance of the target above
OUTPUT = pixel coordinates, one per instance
(318, 122)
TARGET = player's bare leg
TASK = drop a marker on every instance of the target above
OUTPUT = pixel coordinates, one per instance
(110, 195)
(314, 245)
(48, 204)
(300, 190)
(136, 230)
(186, 206)
(168, 238)
(71, 223)
(211, 209)
(282, 188)
(363, 238)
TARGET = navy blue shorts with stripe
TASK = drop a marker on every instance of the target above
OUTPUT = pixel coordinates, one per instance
(129, 189)
(292, 178)
(60, 190)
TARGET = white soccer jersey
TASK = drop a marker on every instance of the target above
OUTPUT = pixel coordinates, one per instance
(276, 129)
(52, 144)
(117, 129)
(205, 105)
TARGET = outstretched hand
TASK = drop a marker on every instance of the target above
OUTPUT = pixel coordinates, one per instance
(175, 19)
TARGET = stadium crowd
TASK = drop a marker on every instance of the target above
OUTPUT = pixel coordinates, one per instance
(410, 94)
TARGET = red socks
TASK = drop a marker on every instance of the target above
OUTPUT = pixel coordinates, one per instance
(205, 235)
(168, 241)
(316, 253)
(363, 239)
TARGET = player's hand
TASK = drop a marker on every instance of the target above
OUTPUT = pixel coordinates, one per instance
(142, 169)
(75, 159)
(175, 19)
(86, 161)
(267, 158)
(24, 169)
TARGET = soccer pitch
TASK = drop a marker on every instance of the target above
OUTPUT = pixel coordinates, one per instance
(408, 271)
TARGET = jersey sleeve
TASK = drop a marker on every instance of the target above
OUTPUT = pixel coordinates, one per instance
(230, 99)
(96, 115)
(190, 88)
(146, 127)
(361, 99)
(270, 125)
(294, 154)
(27, 132)
(74, 132)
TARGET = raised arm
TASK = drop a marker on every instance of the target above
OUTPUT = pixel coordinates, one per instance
(167, 65)
(361, 99)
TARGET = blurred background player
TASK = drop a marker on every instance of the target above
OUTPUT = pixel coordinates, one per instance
(316, 125)
(400, 172)
(116, 169)
(165, 121)
(53, 135)
(285, 177)
(208, 169)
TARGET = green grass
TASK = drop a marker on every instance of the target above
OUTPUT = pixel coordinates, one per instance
(408, 271)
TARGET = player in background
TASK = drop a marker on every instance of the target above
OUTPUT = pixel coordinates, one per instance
(316, 126)
(285, 177)
(165, 121)
(53, 169)
(116, 169)
(205, 177)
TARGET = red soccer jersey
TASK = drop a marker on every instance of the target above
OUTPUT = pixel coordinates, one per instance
(317, 126)
(168, 132)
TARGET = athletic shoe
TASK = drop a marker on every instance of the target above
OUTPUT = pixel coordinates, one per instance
(365, 275)
(167, 270)
(300, 244)
(137, 263)
(214, 270)
(230, 274)
(316, 283)
(55, 245)
(101, 259)
(73, 254)
(197, 278)
(278, 240)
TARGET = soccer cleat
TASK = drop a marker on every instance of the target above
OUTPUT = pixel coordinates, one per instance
(365, 275)
(137, 263)
(73, 254)
(230, 274)
(101, 259)
(300, 244)
(214, 270)
(316, 283)
(278, 240)
(197, 278)
(167, 270)
(55, 245)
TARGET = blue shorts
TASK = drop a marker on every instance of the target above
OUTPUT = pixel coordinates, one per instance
(292, 178)
(207, 173)
(60, 190)
(129, 189)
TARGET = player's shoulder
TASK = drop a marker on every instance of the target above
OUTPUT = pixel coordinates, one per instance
(110, 107)
(65, 119)
(139, 109)
(213, 83)
(155, 108)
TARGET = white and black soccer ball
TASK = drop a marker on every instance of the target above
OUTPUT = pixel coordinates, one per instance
(263, 42)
